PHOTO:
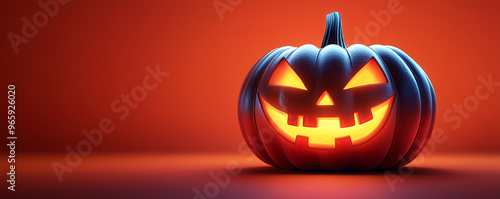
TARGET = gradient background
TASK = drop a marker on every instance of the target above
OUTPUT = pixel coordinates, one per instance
(91, 52)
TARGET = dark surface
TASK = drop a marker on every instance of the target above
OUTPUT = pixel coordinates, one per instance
(175, 176)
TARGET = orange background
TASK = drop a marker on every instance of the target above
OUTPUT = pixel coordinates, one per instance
(91, 52)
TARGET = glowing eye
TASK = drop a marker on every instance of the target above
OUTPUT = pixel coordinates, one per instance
(370, 74)
(283, 75)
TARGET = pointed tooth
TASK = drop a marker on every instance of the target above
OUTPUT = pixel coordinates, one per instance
(310, 121)
(347, 120)
(365, 116)
(293, 119)
(302, 141)
(343, 143)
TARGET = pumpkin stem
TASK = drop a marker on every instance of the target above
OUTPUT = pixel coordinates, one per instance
(333, 31)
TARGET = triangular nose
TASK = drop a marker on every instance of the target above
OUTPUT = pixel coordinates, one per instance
(325, 100)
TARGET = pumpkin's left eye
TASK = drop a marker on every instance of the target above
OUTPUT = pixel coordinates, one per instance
(283, 75)
(370, 74)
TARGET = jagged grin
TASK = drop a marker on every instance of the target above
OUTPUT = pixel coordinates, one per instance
(328, 129)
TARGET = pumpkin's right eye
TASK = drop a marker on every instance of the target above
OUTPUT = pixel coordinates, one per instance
(370, 74)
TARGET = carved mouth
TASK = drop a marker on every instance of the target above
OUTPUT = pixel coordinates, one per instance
(328, 129)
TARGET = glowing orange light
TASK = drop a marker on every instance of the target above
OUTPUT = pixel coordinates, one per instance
(371, 73)
(325, 100)
(283, 75)
(328, 128)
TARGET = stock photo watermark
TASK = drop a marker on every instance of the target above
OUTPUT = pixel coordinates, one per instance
(381, 19)
(121, 107)
(223, 6)
(31, 26)
(221, 179)
(12, 136)
(454, 116)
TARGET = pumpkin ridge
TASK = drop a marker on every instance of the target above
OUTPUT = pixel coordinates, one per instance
(263, 155)
(289, 50)
(409, 156)
(390, 154)
(421, 115)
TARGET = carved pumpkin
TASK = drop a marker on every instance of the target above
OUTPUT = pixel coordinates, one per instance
(336, 107)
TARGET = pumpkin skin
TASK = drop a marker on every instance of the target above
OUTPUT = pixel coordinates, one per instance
(396, 135)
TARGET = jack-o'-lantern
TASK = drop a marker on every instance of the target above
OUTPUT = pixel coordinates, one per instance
(336, 107)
